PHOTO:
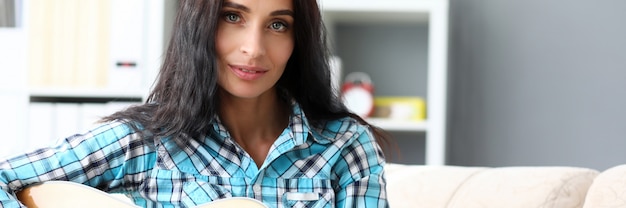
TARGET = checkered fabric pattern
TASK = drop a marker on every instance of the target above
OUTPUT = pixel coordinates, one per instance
(340, 165)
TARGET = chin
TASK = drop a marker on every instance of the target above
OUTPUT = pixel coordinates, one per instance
(246, 91)
(245, 94)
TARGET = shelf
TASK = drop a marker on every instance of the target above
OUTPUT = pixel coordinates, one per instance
(354, 28)
(399, 125)
(390, 6)
(360, 11)
(86, 93)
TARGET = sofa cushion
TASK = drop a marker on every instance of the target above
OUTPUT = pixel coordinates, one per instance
(468, 187)
(608, 189)
(424, 186)
(523, 187)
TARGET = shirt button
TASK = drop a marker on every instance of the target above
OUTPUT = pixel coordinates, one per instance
(256, 188)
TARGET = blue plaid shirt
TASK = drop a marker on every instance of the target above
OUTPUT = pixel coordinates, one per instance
(340, 165)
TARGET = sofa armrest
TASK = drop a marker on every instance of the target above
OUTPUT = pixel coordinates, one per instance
(608, 189)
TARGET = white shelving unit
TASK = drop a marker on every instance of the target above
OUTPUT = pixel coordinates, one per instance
(13, 97)
(21, 99)
(129, 32)
(434, 15)
(86, 93)
(399, 125)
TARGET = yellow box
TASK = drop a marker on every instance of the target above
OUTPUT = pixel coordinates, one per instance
(400, 107)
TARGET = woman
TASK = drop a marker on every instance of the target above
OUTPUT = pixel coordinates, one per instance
(243, 107)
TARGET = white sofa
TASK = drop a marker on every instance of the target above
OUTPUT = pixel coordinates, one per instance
(510, 187)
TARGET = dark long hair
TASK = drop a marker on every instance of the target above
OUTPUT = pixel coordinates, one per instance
(184, 100)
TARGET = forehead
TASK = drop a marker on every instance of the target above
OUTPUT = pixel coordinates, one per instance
(261, 5)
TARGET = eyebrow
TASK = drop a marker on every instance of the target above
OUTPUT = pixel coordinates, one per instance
(246, 9)
(282, 12)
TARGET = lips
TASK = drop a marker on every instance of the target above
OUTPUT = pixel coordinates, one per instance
(249, 73)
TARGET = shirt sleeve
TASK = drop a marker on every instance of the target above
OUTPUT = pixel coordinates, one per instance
(97, 158)
(361, 176)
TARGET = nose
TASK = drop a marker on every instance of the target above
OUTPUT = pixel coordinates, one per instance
(252, 43)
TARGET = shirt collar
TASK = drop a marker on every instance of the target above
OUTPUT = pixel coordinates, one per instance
(299, 128)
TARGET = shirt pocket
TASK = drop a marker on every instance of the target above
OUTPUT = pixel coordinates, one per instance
(306, 192)
(200, 192)
(188, 189)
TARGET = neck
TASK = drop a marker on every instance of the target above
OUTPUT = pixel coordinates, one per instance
(254, 120)
(243, 116)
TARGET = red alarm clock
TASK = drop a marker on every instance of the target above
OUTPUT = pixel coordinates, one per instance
(357, 93)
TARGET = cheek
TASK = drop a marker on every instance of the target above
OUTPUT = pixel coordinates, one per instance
(221, 44)
(224, 42)
(221, 50)
(281, 52)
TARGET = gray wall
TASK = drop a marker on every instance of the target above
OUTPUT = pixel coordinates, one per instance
(537, 82)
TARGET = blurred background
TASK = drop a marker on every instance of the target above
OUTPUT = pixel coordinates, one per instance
(537, 82)
(491, 82)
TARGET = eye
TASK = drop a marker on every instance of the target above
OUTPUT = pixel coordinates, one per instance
(278, 26)
(232, 17)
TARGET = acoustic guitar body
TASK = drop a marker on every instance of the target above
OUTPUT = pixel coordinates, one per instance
(57, 194)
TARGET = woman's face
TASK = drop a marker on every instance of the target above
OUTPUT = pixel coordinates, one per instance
(254, 41)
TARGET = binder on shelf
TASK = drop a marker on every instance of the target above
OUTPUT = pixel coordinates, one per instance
(12, 60)
(127, 32)
(39, 38)
(113, 107)
(93, 54)
(90, 114)
(96, 44)
(49, 122)
(66, 42)
(14, 118)
(65, 122)
(40, 128)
